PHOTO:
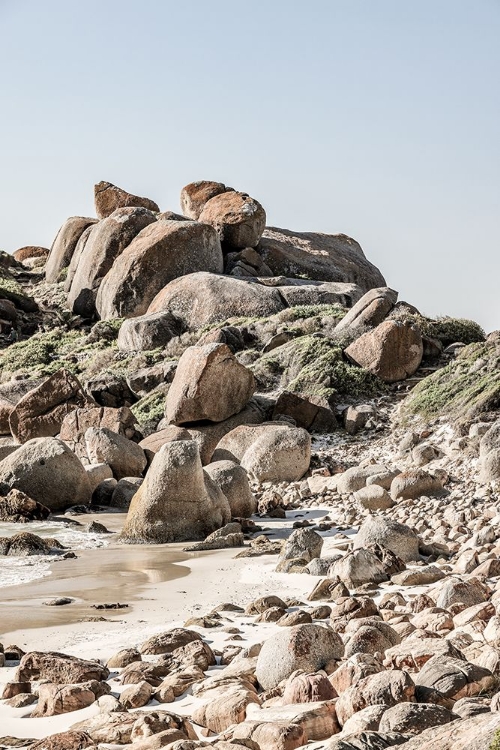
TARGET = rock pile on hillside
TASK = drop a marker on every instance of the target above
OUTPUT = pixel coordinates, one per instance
(193, 370)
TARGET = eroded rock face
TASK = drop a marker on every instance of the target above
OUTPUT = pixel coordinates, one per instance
(177, 501)
(40, 413)
(109, 197)
(307, 647)
(64, 246)
(17, 507)
(161, 252)
(370, 310)
(199, 299)
(238, 219)
(392, 351)
(324, 257)
(47, 471)
(209, 384)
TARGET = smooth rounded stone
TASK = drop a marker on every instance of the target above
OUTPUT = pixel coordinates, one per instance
(315, 255)
(320, 566)
(366, 720)
(201, 299)
(233, 481)
(97, 473)
(357, 568)
(271, 452)
(413, 718)
(209, 384)
(108, 198)
(424, 453)
(392, 351)
(47, 471)
(278, 735)
(123, 658)
(41, 411)
(124, 457)
(238, 219)
(106, 241)
(455, 591)
(308, 647)
(136, 696)
(64, 246)
(369, 311)
(290, 619)
(196, 194)
(490, 467)
(373, 497)
(124, 491)
(389, 688)
(61, 699)
(264, 603)
(396, 536)
(307, 688)
(154, 442)
(453, 679)
(161, 252)
(369, 636)
(302, 544)
(412, 484)
(147, 332)
(177, 501)
(30, 252)
(418, 576)
(356, 477)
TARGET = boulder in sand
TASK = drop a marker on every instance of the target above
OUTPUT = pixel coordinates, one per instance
(177, 501)
(396, 536)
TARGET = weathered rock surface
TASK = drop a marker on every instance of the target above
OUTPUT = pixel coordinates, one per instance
(238, 219)
(64, 246)
(392, 351)
(233, 481)
(196, 194)
(109, 197)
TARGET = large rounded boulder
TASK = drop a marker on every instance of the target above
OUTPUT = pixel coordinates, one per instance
(238, 219)
(47, 471)
(160, 253)
(393, 350)
(177, 501)
(200, 299)
(395, 536)
(233, 481)
(270, 452)
(106, 241)
(196, 194)
(209, 384)
(64, 245)
(307, 647)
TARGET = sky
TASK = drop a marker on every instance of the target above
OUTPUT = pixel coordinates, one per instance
(376, 118)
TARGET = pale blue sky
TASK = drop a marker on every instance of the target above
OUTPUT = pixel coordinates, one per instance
(377, 118)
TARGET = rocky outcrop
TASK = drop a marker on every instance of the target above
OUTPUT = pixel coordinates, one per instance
(177, 501)
(161, 252)
(209, 384)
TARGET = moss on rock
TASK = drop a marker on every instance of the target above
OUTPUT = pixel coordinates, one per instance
(445, 329)
(314, 365)
(463, 389)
